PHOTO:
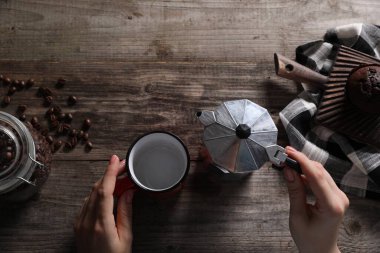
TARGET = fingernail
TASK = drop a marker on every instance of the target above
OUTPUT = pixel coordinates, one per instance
(290, 148)
(122, 162)
(113, 159)
(288, 173)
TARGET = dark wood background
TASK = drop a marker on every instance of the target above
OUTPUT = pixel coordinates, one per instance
(138, 66)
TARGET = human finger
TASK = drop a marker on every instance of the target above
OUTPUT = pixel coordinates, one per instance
(316, 178)
(110, 175)
(124, 216)
(297, 194)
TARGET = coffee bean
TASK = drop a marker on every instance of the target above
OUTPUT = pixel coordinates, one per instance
(6, 100)
(21, 109)
(54, 124)
(88, 146)
(34, 121)
(73, 132)
(60, 129)
(49, 139)
(48, 92)
(57, 110)
(49, 112)
(86, 124)
(60, 83)
(22, 85)
(57, 145)
(66, 128)
(16, 83)
(85, 136)
(12, 89)
(68, 117)
(29, 83)
(80, 134)
(61, 116)
(73, 141)
(53, 118)
(7, 81)
(9, 149)
(68, 145)
(45, 132)
(72, 100)
(8, 156)
(48, 100)
(37, 126)
(22, 117)
(1, 78)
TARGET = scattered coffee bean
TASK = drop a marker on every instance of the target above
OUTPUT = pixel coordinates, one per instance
(12, 89)
(45, 132)
(80, 134)
(88, 146)
(60, 129)
(8, 156)
(49, 139)
(16, 83)
(34, 121)
(20, 85)
(1, 78)
(61, 116)
(68, 117)
(7, 81)
(6, 100)
(48, 100)
(49, 112)
(53, 118)
(22, 117)
(21, 109)
(47, 92)
(60, 83)
(86, 125)
(57, 145)
(54, 125)
(29, 83)
(66, 128)
(72, 100)
(85, 136)
(57, 110)
(73, 132)
(73, 141)
(37, 126)
(68, 145)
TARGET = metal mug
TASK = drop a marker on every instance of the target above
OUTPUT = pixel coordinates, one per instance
(157, 162)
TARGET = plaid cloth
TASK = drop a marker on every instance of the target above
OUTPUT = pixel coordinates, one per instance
(354, 166)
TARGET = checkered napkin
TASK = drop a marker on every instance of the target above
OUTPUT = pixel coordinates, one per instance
(354, 166)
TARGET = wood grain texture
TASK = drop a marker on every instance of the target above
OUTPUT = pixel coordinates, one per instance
(138, 66)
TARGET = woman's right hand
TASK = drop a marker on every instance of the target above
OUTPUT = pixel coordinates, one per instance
(314, 228)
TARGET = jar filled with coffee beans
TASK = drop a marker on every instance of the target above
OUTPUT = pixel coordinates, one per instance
(24, 161)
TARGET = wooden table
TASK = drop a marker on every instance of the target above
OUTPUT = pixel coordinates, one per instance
(138, 66)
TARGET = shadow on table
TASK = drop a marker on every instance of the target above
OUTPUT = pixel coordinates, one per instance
(210, 208)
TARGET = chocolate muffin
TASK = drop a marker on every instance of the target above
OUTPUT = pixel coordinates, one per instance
(363, 88)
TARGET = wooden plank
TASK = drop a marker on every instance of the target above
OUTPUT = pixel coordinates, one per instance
(125, 99)
(169, 30)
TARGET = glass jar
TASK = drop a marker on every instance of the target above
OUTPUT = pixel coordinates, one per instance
(25, 162)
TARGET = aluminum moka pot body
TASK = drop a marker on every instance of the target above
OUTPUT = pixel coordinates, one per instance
(237, 134)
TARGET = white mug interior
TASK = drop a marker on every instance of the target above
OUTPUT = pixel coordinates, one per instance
(157, 161)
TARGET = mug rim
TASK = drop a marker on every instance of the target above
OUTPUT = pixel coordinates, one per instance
(137, 140)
